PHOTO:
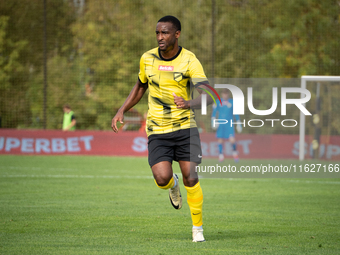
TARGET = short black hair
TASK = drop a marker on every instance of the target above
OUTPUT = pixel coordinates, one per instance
(175, 22)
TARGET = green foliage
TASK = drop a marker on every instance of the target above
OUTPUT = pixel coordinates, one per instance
(309, 44)
(93, 52)
(12, 72)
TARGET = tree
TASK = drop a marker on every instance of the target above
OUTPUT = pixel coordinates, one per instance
(12, 97)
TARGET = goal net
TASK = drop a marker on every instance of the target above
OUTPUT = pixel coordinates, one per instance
(316, 130)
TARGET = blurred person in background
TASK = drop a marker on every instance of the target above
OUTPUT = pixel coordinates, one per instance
(226, 131)
(69, 121)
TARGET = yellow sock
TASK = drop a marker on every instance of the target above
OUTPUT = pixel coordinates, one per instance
(169, 185)
(195, 202)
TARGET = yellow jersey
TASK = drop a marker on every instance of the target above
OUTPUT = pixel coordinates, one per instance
(165, 77)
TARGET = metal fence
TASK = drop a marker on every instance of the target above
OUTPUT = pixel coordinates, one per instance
(86, 52)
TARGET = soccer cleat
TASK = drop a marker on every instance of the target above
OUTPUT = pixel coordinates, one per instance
(220, 157)
(175, 195)
(197, 235)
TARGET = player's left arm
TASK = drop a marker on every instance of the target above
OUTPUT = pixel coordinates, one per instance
(215, 112)
(195, 103)
(73, 122)
(196, 72)
(238, 119)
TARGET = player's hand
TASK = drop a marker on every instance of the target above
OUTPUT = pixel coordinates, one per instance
(119, 117)
(239, 128)
(180, 102)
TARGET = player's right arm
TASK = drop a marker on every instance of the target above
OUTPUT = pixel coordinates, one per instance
(213, 116)
(135, 95)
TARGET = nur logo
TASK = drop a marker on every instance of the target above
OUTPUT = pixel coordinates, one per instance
(238, 99)
(238, 105)
(204, 97)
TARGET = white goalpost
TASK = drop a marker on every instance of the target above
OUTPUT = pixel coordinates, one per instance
(304, 80)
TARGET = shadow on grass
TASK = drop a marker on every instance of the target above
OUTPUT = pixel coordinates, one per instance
(230, 234)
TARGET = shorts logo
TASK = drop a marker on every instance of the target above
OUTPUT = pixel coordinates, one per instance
(165, 68)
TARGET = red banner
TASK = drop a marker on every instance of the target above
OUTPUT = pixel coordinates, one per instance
(54, 142)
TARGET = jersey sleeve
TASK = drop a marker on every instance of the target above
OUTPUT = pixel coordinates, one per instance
(142, 75)
(196, 70)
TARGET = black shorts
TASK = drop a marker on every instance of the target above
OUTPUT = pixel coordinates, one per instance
(181, 145)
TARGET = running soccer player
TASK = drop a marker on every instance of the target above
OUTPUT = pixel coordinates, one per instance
(226, 131)
(170, 125)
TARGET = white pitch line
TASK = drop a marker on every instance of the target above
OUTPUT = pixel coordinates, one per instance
(282, 180)
(307, 181)
(151, 177)
(36, 168)
(75, 176)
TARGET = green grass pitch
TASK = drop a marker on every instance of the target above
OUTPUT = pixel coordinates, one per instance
(110, 205)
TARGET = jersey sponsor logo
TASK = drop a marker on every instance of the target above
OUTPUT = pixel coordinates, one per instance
(178, 76)
(165, 68)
